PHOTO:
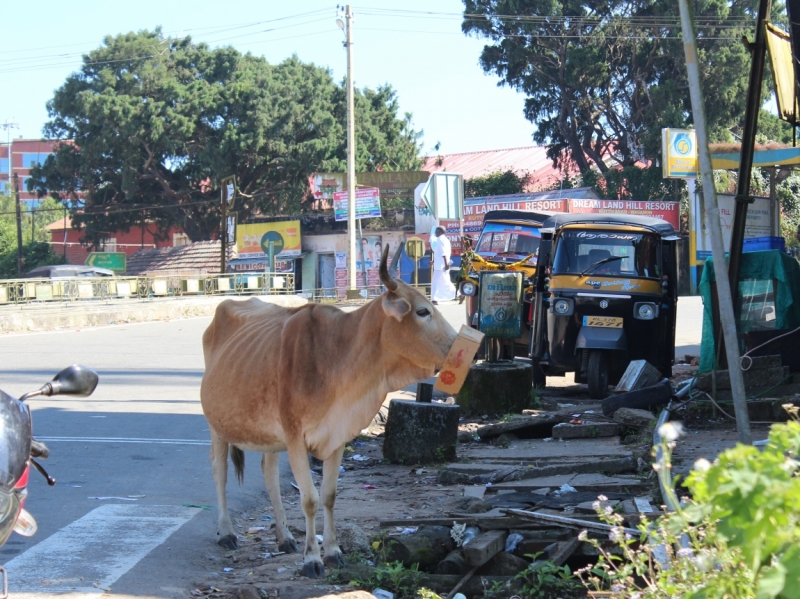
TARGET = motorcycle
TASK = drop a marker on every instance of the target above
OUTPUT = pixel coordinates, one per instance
(19, 450)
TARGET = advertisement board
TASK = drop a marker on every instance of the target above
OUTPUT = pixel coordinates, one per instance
(500, 304)
(395, 184)
(253, 239)
(679, 153)
(758, 223)
(368, 203)
(668, 211)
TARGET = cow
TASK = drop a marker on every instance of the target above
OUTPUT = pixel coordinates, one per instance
(307, 380)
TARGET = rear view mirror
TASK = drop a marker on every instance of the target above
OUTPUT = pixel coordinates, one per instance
(76, 380)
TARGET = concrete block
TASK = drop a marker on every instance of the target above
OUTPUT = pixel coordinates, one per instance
(496, 388)
(421, 433)
(638, 374)
(634, 418)
(588, 430)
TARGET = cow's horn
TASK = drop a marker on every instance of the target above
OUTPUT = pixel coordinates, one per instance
(386, 278)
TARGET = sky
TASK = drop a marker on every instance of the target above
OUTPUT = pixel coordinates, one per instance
(415, 45)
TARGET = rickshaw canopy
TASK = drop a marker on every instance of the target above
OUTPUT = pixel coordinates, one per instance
(660, 227)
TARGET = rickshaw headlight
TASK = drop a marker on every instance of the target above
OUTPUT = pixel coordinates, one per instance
(562, 306)
(468, 288)
(645, 311)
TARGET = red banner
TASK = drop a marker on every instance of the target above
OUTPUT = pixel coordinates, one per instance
(668, 211)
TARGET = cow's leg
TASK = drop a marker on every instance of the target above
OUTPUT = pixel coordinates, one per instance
(219, 467)
(309, 499)
(330, 474)
(269, 466)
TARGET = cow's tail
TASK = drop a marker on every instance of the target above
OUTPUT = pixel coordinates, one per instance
(237, 457)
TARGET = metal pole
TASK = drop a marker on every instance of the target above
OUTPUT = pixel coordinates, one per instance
(711, 209)
(223, 233)
(19, 225)
(351, 149)
(743, 197)
(271, 257)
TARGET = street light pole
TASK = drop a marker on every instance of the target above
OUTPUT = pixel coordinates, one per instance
(8, 126)
(351, 150)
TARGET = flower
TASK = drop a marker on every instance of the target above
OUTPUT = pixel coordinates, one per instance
(702, 465)
(670, 431)
(583, 535)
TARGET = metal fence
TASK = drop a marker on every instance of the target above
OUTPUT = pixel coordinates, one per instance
(24, 291)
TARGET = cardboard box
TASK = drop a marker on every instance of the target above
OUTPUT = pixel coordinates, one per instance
(458, 361)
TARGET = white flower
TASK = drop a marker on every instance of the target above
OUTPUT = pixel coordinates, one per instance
(702, 465)
(685, 552)
(602, 498)
(583, 535)
(670, 431)
(616, 534)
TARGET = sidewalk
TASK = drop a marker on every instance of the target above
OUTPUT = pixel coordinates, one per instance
(28, 318)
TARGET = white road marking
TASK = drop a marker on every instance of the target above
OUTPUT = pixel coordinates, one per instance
(92, 553)
(124, 440)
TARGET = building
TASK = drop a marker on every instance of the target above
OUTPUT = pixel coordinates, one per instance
(25, 153)
(66, 241)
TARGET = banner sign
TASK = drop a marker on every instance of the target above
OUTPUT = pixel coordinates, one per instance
(368, 203)
(679, 153)
(758, 223)
(395, 184)
(253, 239)
(500, 304)
(668, 211)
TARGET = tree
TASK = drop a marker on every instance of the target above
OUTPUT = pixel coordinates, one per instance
(151, 124)
(36, 250)
(602, 77)
(495, 184)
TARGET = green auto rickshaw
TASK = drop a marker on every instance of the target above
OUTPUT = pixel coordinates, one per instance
(605, 294)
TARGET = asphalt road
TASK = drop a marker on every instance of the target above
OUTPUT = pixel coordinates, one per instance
(142, 441)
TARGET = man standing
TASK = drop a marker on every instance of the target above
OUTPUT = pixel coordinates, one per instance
(442, 289)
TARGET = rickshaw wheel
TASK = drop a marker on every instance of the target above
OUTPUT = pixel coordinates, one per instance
(539, 380)
(597, 375)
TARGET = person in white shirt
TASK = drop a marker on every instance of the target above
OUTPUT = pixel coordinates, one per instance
(442, 288)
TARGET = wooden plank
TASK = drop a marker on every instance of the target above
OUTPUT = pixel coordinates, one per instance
(483, 523)
(574, 523)
(484, 547)
(564, 550)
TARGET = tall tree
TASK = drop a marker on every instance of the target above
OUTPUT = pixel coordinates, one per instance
(602, 77)
(495, 184)
(154, 123)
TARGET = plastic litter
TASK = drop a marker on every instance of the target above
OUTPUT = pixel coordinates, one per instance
(470, 533)
(565, 488)
(122, 498)
(341, 469)
(266, 518)
(227, 569)
(369, 487)
(359, 458)
(382, 594)
(512, 541)
(459, 596)
(255, 529)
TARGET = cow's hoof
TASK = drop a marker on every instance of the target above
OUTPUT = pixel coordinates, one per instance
(334, 560)
(313, 569)
(289, 546)
(228, 542)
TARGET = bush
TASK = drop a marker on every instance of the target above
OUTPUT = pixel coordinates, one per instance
(738, 537)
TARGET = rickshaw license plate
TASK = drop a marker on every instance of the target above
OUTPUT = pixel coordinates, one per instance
(608, 322)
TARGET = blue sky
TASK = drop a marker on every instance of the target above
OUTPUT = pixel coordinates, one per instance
(415, 45)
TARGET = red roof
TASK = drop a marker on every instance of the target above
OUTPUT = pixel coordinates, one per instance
(530, 160)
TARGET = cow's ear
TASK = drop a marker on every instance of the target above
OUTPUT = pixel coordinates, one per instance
(395, 306)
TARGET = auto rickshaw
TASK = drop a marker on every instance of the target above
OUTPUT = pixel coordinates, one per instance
(509, 241)
(605, 294)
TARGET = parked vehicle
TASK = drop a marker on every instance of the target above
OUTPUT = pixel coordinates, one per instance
(509, 241)
(18, 449)
(67, 271)
(606, 294)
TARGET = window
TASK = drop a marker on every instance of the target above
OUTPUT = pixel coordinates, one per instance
(515, 240)
(4, 187)
(29, 159)
(180, 239)
(606, 253)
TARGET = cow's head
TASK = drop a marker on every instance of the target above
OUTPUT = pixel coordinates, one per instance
(414, 329)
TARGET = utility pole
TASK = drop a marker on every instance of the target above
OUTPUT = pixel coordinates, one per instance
(19, 225)
(8, 126)
(711, 209)
(351, 149)
(223, 229)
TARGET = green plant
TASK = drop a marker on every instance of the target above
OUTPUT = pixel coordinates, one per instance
(394, 577)
(738, 537)
(536, 398)
(545, 580)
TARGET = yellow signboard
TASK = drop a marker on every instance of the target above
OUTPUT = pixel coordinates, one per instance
(252, 241)
(679, 153)
(780, 54)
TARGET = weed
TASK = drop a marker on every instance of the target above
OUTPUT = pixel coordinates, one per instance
(592, 431)
(536, 398)
(545, 580)
(394, 577)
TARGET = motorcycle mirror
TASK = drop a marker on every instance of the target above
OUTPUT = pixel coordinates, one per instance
(76, 380)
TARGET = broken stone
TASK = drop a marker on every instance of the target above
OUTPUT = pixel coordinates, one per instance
(505, 439)
(472, 505)
(420, 433)
(639, 374)
(352, 538)
(531, 425)
(475, 491)
(587, 430)
(634, 418)
(465, 437)
(503, 564)
(248, 592)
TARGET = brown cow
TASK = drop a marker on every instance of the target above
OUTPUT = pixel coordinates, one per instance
(308, 380)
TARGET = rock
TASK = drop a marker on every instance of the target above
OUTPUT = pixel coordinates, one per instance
(465, 437)
(352, 538)
(248, 592)
(420, 433)
(587, 430)
(634, 418)
(426, 547)
(503, 564)
(496, 388)
(505, 439)
(472, 505)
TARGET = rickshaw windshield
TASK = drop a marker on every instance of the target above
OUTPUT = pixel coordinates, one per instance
(606, 253)
(512, 240)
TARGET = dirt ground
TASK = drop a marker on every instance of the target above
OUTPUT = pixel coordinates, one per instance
(371, 491)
